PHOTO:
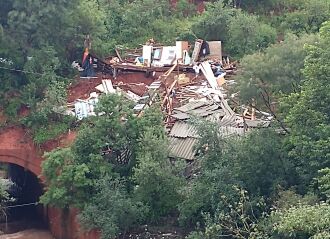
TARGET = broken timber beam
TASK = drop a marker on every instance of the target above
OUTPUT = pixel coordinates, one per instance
(119, 57)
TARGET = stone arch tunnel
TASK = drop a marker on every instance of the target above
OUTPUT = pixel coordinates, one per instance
(24, 159)
(26, 191)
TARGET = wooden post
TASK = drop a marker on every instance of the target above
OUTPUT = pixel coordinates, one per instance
(114, 73)
(253, 110)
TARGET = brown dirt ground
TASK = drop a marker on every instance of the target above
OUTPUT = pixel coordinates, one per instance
(133, 78)
(135, 82)
(29, 234)
(138, 89)
(82, 88)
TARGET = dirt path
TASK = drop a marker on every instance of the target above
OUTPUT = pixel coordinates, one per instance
(29, 234)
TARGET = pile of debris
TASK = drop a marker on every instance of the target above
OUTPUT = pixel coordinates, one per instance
(153, 57)
(187, 83)
(183, 135)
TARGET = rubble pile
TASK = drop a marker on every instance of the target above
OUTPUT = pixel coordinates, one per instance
(187, 82)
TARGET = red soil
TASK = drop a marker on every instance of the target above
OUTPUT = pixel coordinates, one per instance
(136, 82)
(82, 88)
(133, 78)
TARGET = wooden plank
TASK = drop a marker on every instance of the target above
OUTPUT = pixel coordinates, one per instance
(168, 92)
(197, 49)
(119, 57)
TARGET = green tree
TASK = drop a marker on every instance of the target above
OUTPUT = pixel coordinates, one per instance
(254, 5)
(84, 163)
(131, 23)
(240, 32)
(309, 145)
(11, 80)
(323, 181)
(213, 23)
(106, 145)
(264, 167)
(234, 219)
(185, 8)
(95, 174)
(304, 221)
(66, 180)
(35, 24)
(4, 200)
(265, 77)
(48, 118)
(201, 194)
(225, 162)
(41, 39)
(70, 183)
(247, 34)
(112, 210)
(308, 16)
(157, 180)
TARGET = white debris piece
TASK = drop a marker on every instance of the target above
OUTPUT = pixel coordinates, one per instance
(106, 87)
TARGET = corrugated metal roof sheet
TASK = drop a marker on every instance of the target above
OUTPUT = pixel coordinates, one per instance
(183, 136)
(216, 117)
(255, 123)
(227, 108)
(197, 108)
(207, 113)
(228, 120)
(192, 105)
(180, 115)
(229, 131)
(182, 130)
(183, 148)
(204, 110)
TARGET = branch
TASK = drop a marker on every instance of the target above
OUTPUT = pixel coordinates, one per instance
(267, 104)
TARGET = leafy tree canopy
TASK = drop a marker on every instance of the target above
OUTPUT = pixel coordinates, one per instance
(260, 169)
(266, 76)
(309, 145)
(112, 209)
(304, 221)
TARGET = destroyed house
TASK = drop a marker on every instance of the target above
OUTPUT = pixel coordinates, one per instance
(187, 81)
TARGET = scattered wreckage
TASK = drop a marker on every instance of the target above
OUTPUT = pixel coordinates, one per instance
(186, 85)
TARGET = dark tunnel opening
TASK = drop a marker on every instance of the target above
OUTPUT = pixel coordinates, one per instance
(24, 212)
